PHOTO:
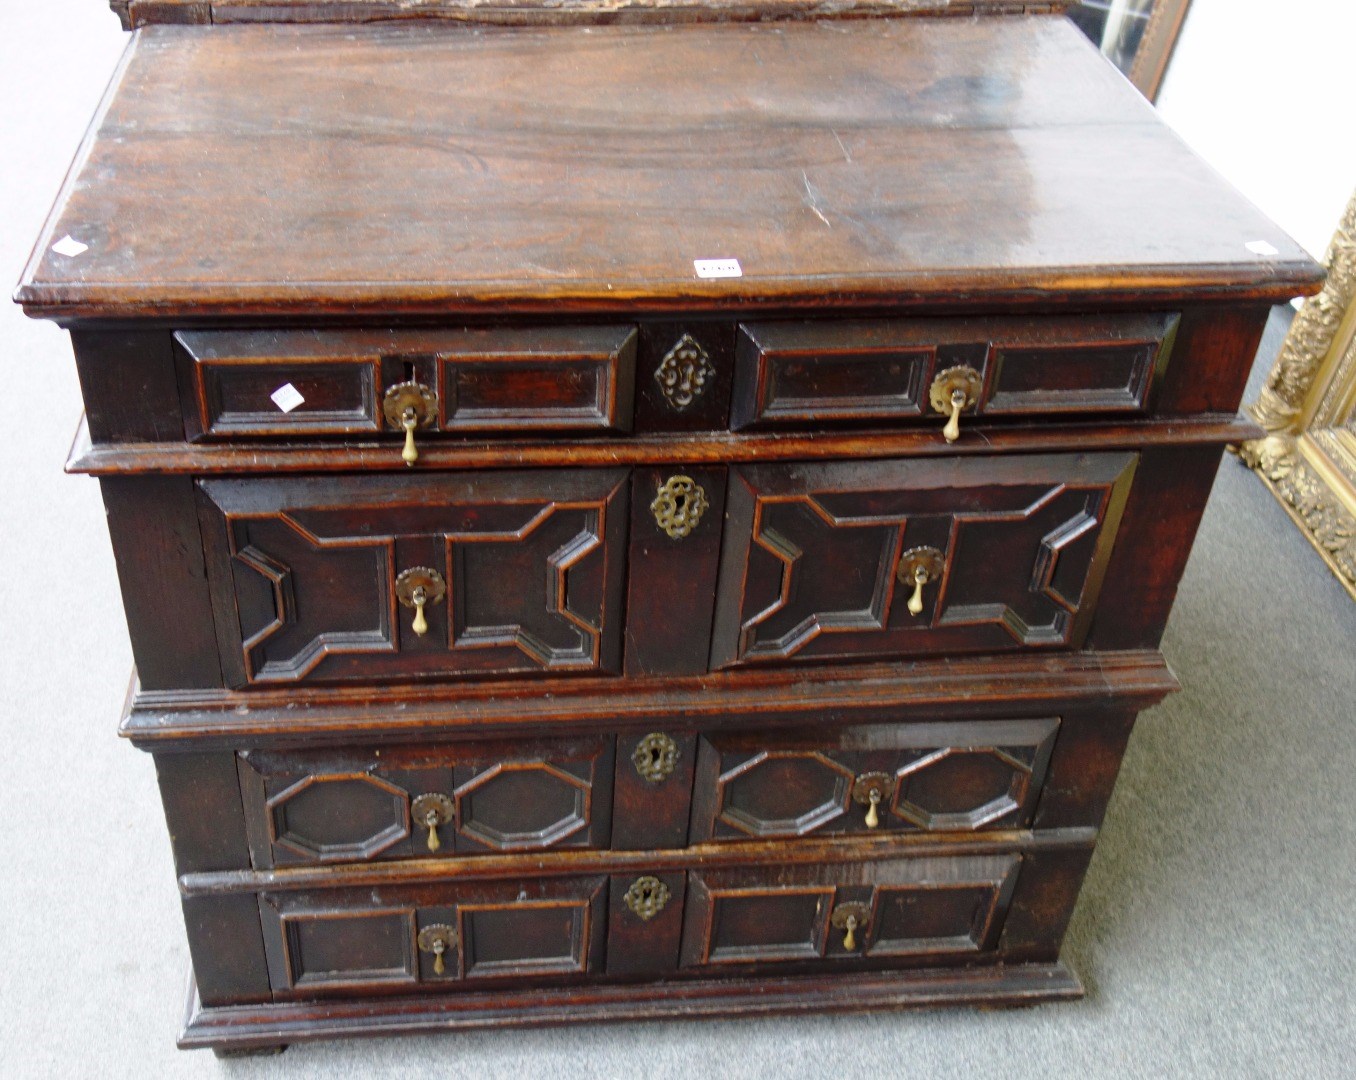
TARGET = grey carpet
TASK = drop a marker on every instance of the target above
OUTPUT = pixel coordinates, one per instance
(1215, 934)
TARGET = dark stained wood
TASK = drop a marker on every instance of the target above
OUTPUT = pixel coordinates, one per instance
(807, 373)
(980, 687)
(201, 796)
(542, 12)
(348, 806)
(934, 777)
(270, 1026)
(810, 567)
(204, 459)
(345, 940)
(671, 585)
(127, 379)
(227, 946)
(652, 813)
(152, 522)
(305, 584)
(511, 218)
(500, 189)
(571, 379)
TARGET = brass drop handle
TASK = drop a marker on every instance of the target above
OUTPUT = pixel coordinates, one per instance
(953, 391)
(418, 587)
(869, 790)
(439, 940)
(432, 810)
(918, 567)
(850, 918)
(410, 454)
(407, 406)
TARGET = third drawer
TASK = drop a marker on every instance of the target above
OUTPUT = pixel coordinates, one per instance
(668, 788)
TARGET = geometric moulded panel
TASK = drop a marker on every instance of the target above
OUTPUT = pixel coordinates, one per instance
(959, 788)
(523, 805)
(779, 793)
(347, 816)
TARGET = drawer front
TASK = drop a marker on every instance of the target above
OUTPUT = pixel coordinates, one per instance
(918, 907)
(373, 939)
(243, 383)
(313, 578)
(397, 802)
(940, 777)
(823, 561)
(795, 373)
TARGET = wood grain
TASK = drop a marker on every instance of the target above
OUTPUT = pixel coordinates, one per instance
(419, 167)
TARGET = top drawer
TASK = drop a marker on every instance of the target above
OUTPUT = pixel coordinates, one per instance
(794, 373)
(244, 383)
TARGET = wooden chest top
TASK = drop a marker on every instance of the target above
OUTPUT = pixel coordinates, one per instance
(435, 168)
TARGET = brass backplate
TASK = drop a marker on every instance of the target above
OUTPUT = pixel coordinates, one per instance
(430, 937)
(879, 782)
(843, 912)
(432, 809)
(678, 506)
(646, 897)
(929, 558)
(409, 395)
(684, 373)
(947, 382)
(420, 576)
(655, 757)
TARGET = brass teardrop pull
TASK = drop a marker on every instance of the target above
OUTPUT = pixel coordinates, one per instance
(431, 811)
(918, 567)
(869, 790)
(410, 454)
(418, 587)
(850, 918)
(408, 406)
(439, 940)
(953, 391)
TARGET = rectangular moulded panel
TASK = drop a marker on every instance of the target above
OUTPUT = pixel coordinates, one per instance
(309, 382)
(373, 940)
(881, 371)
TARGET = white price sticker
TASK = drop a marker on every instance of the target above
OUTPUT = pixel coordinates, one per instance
(69, 246)
(1261, 247)
(287, 397)
(717, 268)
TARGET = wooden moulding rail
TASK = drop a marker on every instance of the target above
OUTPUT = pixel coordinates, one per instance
(846, 850)
(143, 458)
(135, 13)
(245, 1027)
(871, 693)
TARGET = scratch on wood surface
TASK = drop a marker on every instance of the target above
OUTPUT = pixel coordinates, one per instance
(812, 200)
(846, 156)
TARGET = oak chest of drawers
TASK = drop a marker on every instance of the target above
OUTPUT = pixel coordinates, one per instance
(535, 621)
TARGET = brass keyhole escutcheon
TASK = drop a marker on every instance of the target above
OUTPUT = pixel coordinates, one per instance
(952, 392)
(850, 918)
(418, 587)
(407, 407)
(439, 940)
(655, 757)
(679, 505)
(684, 373)
(918, 567)
(870, 790)
(646, 897)
(431, 811)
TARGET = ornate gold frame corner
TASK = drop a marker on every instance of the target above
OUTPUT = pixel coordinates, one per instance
(1308, 408)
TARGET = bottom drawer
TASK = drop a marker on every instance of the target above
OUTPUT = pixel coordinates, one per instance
(566, 919)
(361, 940)
(914, 907)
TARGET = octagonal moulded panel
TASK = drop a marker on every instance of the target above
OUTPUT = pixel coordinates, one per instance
(517, 805)
(343, 816)
(784, 793)
(960, 788)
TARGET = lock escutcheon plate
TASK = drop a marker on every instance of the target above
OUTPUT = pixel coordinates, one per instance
(646, 897)
(678, 506)
(655, 757)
